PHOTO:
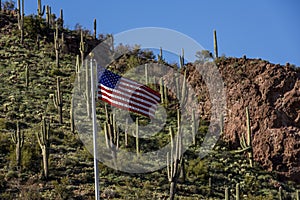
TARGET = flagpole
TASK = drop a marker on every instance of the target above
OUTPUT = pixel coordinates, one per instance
(96, 171)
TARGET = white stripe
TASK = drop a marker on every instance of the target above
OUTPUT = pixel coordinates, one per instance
(129, 96)
(152, 107)
(136, 91)
(128, 106)
(132, 83)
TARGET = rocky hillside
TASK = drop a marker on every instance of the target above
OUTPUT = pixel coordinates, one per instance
(272, 93)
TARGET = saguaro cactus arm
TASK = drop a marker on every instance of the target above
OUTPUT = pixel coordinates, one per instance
(40, 10)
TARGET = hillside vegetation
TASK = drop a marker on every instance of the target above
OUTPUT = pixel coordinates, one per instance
(29, 80)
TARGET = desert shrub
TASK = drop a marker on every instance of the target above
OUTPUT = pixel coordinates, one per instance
(6, 196)
(11, 174)
(260, 197)
(198, 169)
(3, 182)
(30, 192)
(61, 189)
(31, 157)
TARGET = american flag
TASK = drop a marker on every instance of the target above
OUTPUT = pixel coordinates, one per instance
(127, 94)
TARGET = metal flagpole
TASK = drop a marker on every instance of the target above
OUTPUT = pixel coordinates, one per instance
(96, 171)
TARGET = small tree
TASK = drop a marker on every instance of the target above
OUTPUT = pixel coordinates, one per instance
(8, 5)
(203, 56)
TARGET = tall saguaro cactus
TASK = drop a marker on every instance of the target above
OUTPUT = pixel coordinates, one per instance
(111, 135)
(72, 120)
(215, 44)
(160, 56)
(21, 19)
(249, 139)
(194, 127)
(18, 139)
(57, 100)
(82, 48)
(26, 76)
(174, 159)
(62, 18)
(43, 140)
(181, 59)
(95, 29)
(57, 46)
(48, 16)
(247, 144)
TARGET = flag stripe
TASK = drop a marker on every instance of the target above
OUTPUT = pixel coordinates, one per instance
(127, 106)
(130, 109)
(116, 96)
(146, 89)
(138, 92)
(140, 96)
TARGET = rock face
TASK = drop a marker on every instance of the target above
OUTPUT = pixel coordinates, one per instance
(272, 93)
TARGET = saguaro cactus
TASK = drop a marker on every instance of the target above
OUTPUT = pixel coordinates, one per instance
(57, 46)
(247, 145)
(161, 86)
(43, 140)
(40, 10)
(226, 193)
(194, 127)
(280, 193)
(181, 59)
(215, 44)
(82, 48)
(160, 56)
(26, 76)
(49, 17)
(209, 186)
(237, 191)
(48, 13)
(249, 139)
(57, 100)
(18, 139)
(21, 19)
(95, 29)
(174, 160)
(77, 65)
(61, 18)
(297, 195)
(72, 120)
(111, 135)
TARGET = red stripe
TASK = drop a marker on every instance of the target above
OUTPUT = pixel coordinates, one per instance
(127, 103)
(131, 99)
(141, 86)
(131, 94)
(150, 98)
(125, 108)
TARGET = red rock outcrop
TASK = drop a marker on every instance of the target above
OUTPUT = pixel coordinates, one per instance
(272, 93)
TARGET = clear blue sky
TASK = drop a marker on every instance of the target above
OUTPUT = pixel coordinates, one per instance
(267, 29)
